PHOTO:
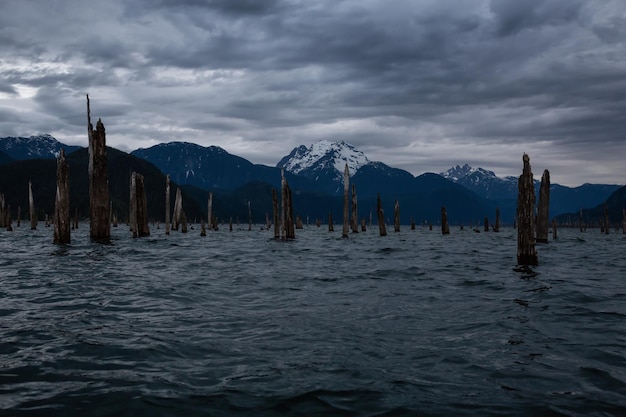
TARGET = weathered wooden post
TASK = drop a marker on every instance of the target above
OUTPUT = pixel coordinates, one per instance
(497, 226)
(62, 203)
(210, 210)
(363, 225)
(202, 228)
(75, 219)
(299, 222)
(346, 189)
(230, 224)
(178, 210)
(99, 215)
(287, 208)
(396, 216)
(543, 222)
(138, 207)
(19, 215)
(607, 226)
(486, 228)
(382, 228)
(331, 225)
(553, 228)
(355, 218)
(526, 252)
(167, 204)
(249, 217)
(31, 205)
(276, 214)
(445, 228)
(183, 221)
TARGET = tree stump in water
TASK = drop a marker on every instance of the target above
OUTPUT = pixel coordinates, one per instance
(355, 219)
(382, 228)
(553, 228)
(486, 228)
(62, 204)
(31, 206)
(346, 189)
(138, 206)
(445, 228)
(607, 226)
(497, 226)
(178, 210)
(167, 204)
(276, 221)
(543, 208)
(331, 226)
(526, 252)
(99, 208)
(396, 217)
(288, 225)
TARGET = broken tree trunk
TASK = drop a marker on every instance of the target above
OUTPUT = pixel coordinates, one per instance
(99, 215)
(290, 232)
(275, 208)
(3, 214)
(553, 228)
(202, 228)
(139, 206)
(486, 228)
(31, 205)
(606, 219)
(210, 210)
(355, 219)
(299, 222)
(623, 221)
(19, 215)
(445, 228)
(346, 190)
(543, 222)
(183, 221)
(580, 219)
(396, 217)
(526, 252)
(497, 226)
(62, 222)
(167, 204)
(249, 217)
(178, 210)
(8, 219)
(331, 226)
(363, 225)
(382, 228)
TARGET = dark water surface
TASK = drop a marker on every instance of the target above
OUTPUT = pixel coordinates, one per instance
(234, 324)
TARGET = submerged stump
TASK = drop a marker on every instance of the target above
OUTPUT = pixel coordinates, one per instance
(139, 206)
(31, 206)
(445, 227)
(99, 208)
(346, 190)
(396, 217)
(355, 218)
(62, 221)
(382, 228)
(526, 252)
(167, 204)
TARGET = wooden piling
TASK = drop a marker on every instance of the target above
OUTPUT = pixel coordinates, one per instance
(31, 205)
(167, 204)
(276, 215)
(396, 216)
(355, 218)
(497, 225)
(346, 189)
(138, 206)
(249, 217)
(445, 227)
(543, 222)
(287, 209)
(526, 252)
(62, 203)
(99, 214)
(382, 228)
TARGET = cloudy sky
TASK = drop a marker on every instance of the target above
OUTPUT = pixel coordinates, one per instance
(421, 85)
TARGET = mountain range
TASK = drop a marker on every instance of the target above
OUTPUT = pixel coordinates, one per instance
(315, 174)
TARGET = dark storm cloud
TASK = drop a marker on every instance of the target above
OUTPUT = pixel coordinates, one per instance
(433, 81)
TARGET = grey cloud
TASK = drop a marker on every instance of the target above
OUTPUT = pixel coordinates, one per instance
(513, 16)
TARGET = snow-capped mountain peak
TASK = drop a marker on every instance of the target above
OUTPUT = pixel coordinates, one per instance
(323, 155)
(458, 172)
(33, 147)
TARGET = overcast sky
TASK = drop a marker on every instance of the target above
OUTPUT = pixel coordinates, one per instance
(421, 85)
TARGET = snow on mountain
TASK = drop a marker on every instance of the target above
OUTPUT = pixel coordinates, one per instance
(35, 147)
(323, 155)
(458, 173)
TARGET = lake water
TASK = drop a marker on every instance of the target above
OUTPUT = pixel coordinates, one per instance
(237, 324)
